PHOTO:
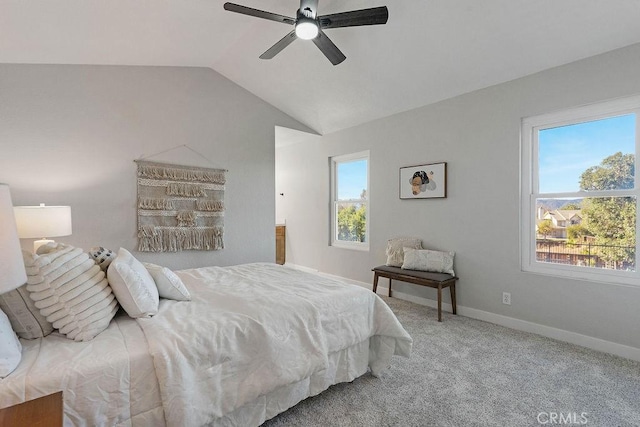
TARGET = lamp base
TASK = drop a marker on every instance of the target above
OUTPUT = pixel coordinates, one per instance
(39, 243)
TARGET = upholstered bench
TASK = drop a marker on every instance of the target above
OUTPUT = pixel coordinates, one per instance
(424, 278)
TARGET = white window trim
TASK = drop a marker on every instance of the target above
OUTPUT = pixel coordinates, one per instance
(361, 246)
(529, 191)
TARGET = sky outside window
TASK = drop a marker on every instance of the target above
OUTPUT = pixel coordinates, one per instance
(352, 179)
(566, 152)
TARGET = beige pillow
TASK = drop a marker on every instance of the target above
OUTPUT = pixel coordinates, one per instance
(168, 283)
(70, 290)
(426, 260)
(395, 249)
(10, 347)
(133, 285)
(24, 316)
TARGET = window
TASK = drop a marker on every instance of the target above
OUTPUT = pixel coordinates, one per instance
(350, 201)
(580, 193)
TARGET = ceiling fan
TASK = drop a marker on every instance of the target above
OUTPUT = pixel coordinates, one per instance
(308, 25)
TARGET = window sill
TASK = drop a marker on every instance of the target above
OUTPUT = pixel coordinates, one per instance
(609, 277)
(363, 247)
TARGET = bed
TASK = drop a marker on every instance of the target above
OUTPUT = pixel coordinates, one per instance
(255, 340)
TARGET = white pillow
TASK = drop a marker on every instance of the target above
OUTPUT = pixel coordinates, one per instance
(426, 260)
(168, 283)
(10, 347)
(70, 290)
(395, 249)
(133, 285)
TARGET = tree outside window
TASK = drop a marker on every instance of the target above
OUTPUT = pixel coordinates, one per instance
(350, 216)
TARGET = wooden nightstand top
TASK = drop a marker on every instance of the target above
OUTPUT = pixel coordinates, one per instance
(44, 411)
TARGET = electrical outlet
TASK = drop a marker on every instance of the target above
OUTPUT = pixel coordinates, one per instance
(506, 298)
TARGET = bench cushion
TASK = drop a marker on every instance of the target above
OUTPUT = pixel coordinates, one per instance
(427, 275)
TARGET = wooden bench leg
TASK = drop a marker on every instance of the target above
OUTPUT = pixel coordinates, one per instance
(439, 303)
(389, 287)
(375, 282)
(452, 289)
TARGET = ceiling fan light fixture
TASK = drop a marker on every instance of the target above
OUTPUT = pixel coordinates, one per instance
(306, 28)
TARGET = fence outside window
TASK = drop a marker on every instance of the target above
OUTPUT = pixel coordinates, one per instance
(584, 254)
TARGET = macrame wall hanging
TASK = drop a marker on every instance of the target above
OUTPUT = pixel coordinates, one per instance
(180, 207)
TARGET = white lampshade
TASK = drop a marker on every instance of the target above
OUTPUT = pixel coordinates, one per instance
(12, 272)
(42, 222)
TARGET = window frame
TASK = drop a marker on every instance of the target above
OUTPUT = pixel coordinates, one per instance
(529, 190)
(334, 161)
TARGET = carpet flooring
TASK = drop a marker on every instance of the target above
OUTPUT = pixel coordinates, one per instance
(465, 372)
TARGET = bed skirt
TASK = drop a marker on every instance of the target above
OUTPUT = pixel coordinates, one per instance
(344, 366)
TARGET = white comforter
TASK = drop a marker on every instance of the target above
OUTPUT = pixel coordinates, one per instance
(253, 328)
(108, 381)
(253, 342)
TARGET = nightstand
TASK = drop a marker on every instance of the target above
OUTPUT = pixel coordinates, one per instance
(44, 411)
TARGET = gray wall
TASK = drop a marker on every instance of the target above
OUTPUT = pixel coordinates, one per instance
(69, 135)
(478, 134)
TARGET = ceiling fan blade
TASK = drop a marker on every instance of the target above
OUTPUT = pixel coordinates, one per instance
(373, 16)
(232, 7)
(329, 49)
(277, 48)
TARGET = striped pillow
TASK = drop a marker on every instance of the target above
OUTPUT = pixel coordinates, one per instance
(70, 290)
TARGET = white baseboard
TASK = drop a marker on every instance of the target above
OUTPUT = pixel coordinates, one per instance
(302, 267)
(523, 325)
(593, 343)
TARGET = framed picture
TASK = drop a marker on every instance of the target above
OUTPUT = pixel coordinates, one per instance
(428, 181)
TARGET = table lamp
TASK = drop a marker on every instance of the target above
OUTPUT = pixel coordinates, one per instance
(12, 272)
(42, 222)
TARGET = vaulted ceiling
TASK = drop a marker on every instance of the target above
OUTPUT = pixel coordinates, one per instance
(428, 51)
